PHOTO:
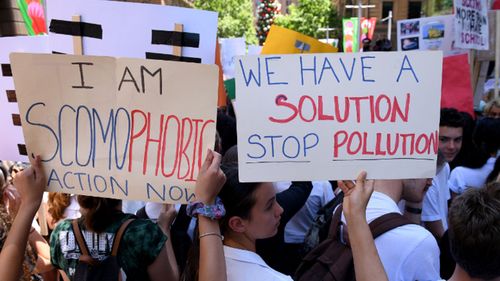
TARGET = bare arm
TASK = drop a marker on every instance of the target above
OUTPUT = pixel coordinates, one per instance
(157, 270)
(367, 264)
(210, 180)
(30, 183)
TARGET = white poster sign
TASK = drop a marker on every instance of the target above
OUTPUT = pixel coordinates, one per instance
(432, 33)
(328, 116)
(122, 128)
(230, 49)
(471, 24)
(121, 29)
(12, 140)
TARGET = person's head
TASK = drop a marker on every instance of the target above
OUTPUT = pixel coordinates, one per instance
(486, 140)
(57, 203)
(451, 124)
(231, 155)
(251, 208)
(414, 189)
(474, 231)
(492, 109)
(98, 213)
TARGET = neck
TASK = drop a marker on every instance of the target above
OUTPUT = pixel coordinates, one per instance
(391, 188)
(460, 275)
(239, 241)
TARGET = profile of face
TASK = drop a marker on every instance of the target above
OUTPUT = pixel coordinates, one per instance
(450, 142)
(264, 216)
(414, 189)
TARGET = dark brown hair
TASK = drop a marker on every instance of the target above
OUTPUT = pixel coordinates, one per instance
(475, 231)
(99, 212)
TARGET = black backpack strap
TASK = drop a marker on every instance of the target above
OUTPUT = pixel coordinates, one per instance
(387, 222)
(118, 236)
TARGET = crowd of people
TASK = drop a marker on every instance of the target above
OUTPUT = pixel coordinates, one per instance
(446, 227)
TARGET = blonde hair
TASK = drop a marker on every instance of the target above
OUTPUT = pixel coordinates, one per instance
(490, 104)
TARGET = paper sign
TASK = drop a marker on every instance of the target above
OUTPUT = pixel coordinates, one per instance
(328, 116)
(12, 139)
(112, 28)
(117, 128)
(471, 24)
(457, 87)
(254, 49)
(351, 42)
(230, 49)
(432, 33)
(285, 41)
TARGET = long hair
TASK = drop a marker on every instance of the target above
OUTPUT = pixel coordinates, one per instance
(99, 212)
(57, 203)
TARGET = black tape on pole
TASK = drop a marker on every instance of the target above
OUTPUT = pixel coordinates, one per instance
(75, 28)
(11, 96)
(6, 70)
(58, 53)
(157, 56)
(22, 149)
(175, 38)
(16, 119)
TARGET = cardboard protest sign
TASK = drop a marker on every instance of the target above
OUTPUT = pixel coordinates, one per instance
(112, 28)
(230, 49)
(471, 24)
(327, 116)
(457, 87)
(432, 33)
(285, 41)
(117, 127)
(12, 143)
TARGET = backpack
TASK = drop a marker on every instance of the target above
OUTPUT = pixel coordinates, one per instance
(90, 269)
(319, 229)
(332, 259)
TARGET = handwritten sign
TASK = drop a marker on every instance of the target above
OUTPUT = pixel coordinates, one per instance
(327, 116)
(12, 143)
(117, 128)
(136, 30)
(231, 48)
(471, 24)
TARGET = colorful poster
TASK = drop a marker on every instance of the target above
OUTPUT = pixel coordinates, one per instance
(12, 143)
(285, 41)
(350, 39)
(350, 28)
(122, 29)
(117, 127)
(328, 116)
(471, 24)
(432, 33)
(230, 49)
(457, 87)
(33, 15)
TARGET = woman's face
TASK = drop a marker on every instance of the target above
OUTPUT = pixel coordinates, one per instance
(265, 215)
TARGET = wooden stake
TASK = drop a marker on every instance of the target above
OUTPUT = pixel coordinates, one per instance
(177, 50)
(77, 40)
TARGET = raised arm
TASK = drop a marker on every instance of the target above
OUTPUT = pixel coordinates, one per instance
(367, 264)
(30, 183)
(210, 181)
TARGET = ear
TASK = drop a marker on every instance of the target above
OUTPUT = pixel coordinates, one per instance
(237, 224)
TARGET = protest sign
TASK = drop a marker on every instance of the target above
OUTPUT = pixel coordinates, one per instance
(328, 116)
(118, 128)
(285, 41)
(33, 15)
(350, 36)
(471, 24)
(12, 141)
(121, 29)
(457, 87)
(231, 48)
(432, 33)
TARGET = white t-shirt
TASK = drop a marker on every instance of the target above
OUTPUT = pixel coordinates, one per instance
(435, 205)
(462, 178)
(243, 265)
(408, 252)
(296, 229)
